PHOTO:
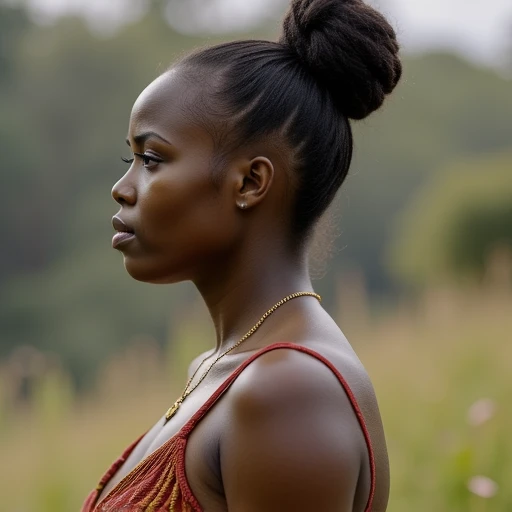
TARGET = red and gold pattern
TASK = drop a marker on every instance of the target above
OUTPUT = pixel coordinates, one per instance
(157, 484)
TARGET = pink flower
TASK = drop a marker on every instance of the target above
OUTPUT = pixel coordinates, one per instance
(483, 486)
(481, 412)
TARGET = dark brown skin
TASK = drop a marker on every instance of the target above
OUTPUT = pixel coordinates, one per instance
(284, 437)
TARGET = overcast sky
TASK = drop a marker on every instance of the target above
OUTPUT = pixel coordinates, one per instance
(482, 29)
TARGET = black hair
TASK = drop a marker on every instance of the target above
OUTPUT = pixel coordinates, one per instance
(336, 60)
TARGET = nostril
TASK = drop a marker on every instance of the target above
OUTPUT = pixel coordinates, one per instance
(124, 195)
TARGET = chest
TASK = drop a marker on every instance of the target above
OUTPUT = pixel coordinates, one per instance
(201, 454)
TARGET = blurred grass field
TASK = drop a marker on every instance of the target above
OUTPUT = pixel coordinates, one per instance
(441, 367)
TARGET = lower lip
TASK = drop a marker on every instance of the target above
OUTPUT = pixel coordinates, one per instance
(121, 238)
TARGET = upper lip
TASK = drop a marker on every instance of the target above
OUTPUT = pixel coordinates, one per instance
(120, 225)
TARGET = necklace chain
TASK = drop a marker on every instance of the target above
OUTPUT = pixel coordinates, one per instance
(172, 410)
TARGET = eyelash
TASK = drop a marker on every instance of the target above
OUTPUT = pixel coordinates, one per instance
(145, 158)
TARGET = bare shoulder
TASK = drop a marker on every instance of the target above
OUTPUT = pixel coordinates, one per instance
(196, 362)
(293, 377)
(292, 419)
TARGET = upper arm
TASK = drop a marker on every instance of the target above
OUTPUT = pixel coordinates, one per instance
(293, 441)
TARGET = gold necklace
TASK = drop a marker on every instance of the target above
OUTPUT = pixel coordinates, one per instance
(172, 410)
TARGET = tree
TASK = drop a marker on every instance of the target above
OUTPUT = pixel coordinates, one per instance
(454, 224)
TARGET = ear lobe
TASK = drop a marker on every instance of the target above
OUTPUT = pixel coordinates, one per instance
(258, 177)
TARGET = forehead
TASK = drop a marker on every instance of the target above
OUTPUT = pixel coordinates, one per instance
(163, 108)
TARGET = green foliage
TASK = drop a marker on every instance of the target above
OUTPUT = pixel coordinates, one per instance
(441, 372)
(13, 23)
(457, 221)
(443, 110)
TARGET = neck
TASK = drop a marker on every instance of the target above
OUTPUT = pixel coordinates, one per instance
(245, 287)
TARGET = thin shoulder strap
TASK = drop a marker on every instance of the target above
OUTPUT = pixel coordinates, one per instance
(357, 410)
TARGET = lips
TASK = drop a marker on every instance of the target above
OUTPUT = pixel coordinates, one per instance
(124, 233)
(120, 225)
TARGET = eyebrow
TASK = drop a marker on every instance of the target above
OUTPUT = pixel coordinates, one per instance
(143, 137)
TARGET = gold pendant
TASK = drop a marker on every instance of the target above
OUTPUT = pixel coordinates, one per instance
(172, 411)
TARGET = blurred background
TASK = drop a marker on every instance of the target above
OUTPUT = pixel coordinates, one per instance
(419, 276)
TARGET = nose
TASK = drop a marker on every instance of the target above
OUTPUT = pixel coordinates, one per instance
(124, 192)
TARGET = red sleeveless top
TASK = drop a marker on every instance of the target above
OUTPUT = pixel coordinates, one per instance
(159, 482)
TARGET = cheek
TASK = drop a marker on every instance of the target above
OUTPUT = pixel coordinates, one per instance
(160, 204)
(181, 208)
(183, 224)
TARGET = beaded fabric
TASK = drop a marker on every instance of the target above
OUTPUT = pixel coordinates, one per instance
(159, 482)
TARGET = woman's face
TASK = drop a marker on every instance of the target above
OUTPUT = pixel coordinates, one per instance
(181, 221)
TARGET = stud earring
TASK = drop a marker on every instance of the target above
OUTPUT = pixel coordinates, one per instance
(242, 206)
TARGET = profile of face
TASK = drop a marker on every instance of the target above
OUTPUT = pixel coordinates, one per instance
(175, 220)
(243, 123)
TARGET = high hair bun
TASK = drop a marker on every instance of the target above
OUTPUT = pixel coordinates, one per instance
(349, 47)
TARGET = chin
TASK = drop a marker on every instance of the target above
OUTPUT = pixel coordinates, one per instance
(147, 274)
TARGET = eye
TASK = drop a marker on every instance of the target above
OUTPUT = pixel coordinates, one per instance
(149, 161)
(127, 160)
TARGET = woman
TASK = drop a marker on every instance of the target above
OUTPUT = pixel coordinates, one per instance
(237, 152)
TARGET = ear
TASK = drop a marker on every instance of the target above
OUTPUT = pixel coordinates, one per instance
(253, 181)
